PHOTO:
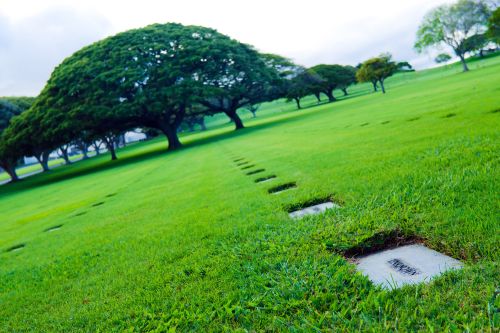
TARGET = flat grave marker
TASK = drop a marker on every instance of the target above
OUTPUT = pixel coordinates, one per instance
(316, 209)
(408, 264)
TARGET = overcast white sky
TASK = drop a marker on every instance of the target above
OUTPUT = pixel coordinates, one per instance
(36, 35)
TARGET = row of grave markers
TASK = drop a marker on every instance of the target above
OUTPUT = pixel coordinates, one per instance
(18, 247)
(390, 268)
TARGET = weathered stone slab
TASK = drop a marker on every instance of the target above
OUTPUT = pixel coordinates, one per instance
(316, 209)
(409, 264)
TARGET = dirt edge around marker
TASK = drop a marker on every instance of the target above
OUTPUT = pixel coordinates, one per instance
(15, 247)
(383, 240)
(282, 187)
(312, 202)
(263, 179)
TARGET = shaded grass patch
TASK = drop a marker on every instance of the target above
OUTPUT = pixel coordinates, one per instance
(253, 172)
(263, 179)
(313, 202)
(15, 247)
(56, 227)
(282, 187)
(248, 167)
(383, 240)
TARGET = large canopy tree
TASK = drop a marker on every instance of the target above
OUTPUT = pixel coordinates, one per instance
(151, 77)
(377, 70)
(455, 25)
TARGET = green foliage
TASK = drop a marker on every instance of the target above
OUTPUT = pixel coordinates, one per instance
(21, 102)
(245, 77)
(377, 70)
(303, 84)
(150, 77)
(442, 58)
(494, 26)
(333, 77)
(8, 156)
(7, 111)
(455, 25)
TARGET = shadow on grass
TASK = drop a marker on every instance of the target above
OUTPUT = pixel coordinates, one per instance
(95, 166)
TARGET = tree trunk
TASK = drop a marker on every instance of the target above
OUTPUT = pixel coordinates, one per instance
(172, 138)
(11, 171)
(202, 124)
(123, 141)
(43, 159)
(85, 151)
(464, 64)
(96, 148)
(382, 86)
(344, 90)
(374, 86)
(297, 100)
(233, 115)
(329, 94)
(111, 147)
(64, 154)
(318, 97)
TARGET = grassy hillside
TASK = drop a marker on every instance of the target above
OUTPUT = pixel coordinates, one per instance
(187, 240)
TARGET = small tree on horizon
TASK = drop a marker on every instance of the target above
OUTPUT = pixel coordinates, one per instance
(442, 58)
(377, 70)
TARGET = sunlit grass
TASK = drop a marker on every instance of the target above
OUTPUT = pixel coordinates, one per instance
(188, 240)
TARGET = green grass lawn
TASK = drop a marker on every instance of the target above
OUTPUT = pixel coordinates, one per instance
(158, 241)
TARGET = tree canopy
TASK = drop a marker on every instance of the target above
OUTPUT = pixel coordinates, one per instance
(456, 25)
(442, 58)
(304, 83)
(151, 77)
(494, 26)
(377, 70)
(333, 77)
(8, 157)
